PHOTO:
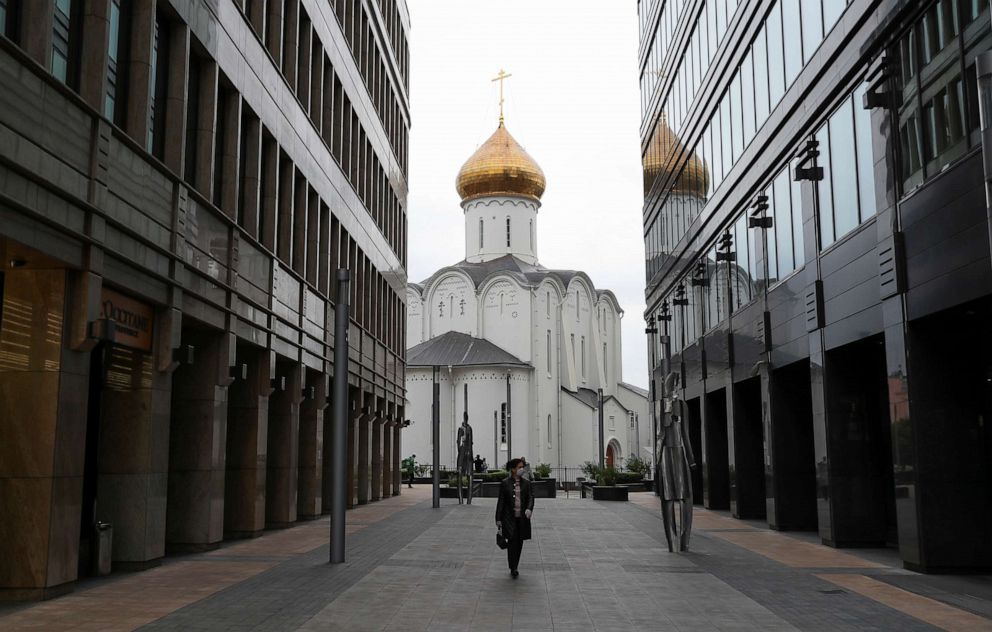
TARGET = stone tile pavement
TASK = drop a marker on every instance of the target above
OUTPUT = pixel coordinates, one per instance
(592, 566)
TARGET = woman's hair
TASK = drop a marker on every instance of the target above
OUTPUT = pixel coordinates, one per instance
(512, 463)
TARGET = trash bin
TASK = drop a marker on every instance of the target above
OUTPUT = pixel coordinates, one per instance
(104, 541)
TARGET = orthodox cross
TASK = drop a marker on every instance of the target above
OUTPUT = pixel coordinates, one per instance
(500, 77)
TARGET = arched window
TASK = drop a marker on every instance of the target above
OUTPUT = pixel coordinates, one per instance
(501, 303)
(583, 342)
(507, 232)
(549, 431)
(531, 231)
(605, 366)
(482, 233)
(451, 303)
(576, 305)
(547, 305)
(549, 351)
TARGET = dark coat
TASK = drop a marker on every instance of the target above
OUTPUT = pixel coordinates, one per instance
(504, 509)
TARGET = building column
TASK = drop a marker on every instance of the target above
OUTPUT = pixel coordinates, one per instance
(387, 454)
(281, 478)
(355, 396)
(43, 404)
(197, 443)
(36, 21)
(397, 453)
(133, 456)
(176, 97)
(364, 474)
(247, 436)
(312, 412)
(375, 464)
(206, 129)
(229, 129)
(139, 70)
(93, 65)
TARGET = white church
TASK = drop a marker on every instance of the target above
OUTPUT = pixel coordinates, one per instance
(511, 329)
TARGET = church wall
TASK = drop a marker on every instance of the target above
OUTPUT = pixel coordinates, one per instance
(414, 318)
(636, 402)
(453, 306)
(579, 432)
(506, 317)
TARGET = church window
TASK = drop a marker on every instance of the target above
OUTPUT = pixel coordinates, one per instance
(613, 423)
(583, 343)
(549, 351)
(482, 233)
(531, 232)
(507, 232)
(500, 303)
(549, 431)
(605, 366)
(572, 341)
(576, 305)
(633, 420)
(451, 302)
(547, 305)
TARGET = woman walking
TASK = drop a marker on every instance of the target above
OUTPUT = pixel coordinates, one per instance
(513, 511)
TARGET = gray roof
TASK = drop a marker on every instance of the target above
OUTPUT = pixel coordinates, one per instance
(457, 349)
(587, 396)
(636, 389)
(527, 274)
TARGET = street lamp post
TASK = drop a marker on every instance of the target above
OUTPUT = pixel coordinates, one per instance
(602, 448)
(339, 420)
(651, 331)
(436, 436)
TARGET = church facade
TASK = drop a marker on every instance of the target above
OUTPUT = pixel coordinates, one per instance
(523, 349)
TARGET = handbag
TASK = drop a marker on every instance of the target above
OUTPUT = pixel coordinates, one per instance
(500, 540)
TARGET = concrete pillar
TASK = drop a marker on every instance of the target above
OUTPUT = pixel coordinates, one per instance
(376, 442)
(139, 70)
(197, 443)
(364, 473)
(93, 64)
(35, 36)
(43, 402)
(281, 481)
(177, 95)
(355, 407)
(133, 456)
(247, 434)
(397, 470)
(230, 151)
(251, 179)
(387, 455)
(311, 470)
(206, 128)
(273, 31)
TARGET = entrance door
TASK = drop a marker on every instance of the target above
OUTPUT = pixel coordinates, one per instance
(610, 456)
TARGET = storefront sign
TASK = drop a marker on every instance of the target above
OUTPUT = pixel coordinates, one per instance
(133, 320)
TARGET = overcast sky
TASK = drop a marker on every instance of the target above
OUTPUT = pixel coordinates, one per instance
(572, 102)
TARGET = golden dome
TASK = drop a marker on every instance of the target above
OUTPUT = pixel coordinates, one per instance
(665, 155)
(500, 167)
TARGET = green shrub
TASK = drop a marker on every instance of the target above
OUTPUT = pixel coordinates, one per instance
(589, 469)
(453, 481)
(637, 465)
(543, 470)
(493, 476)
(607, 476)
(625, 478)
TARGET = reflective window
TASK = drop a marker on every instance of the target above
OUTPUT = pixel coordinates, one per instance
(780, 207)
(113, 50)
(776, 57)
(747, 98)
(792, 30)
(759, 52)
(865, 158)
(842, 171)
(812, 21)
(62, 34)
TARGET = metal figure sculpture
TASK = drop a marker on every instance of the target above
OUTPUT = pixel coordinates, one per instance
(465, 463)
(675, 460)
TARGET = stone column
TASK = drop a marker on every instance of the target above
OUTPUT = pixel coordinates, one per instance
(93, 65)
(312, 411)
(177, 95)
(133, 456)
(139, 70)
(397, 454)
(36, 21)
(230, 151)
(43, 402)
(364, 473)
(247, 433)
(354, 414)
(387, 456)
(281, 482)
(375, 464)
(206, 128)
(252, 177)
(197, 443)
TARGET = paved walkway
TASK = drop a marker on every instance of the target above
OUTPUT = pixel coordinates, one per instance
(591, 566)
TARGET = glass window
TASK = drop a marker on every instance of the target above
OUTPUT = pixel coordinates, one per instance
(812, 21)
(759, 53)
(798, 243)
(781, 203)
(863, 146)
(726, 134)
(3, 17)
(776, 58)
(832, 10)
(548, 354)
(825, 203)
(737, 118)
(507, 232)
(113, 48)
(843, 172)
(482, 233)
(61, 31)
(747, 98)
(792, 29)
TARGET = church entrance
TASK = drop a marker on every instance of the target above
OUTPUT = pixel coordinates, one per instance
(611, 454)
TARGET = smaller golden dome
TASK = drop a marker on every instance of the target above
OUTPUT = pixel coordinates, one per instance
(664, 156)
(500, 167)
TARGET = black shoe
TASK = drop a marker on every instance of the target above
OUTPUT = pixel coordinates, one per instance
(514, 573)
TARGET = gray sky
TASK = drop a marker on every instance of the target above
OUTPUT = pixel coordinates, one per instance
(572, 102)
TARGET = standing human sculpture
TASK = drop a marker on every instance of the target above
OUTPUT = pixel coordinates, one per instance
(675, 460)
(465, 464)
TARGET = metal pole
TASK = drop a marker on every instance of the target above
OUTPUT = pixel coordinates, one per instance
(436, 432)
(509, 426)
(652, 331)
(496, 439)
(339, 421)
(602, 448)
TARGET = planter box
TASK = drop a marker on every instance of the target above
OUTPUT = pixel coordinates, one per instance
(609, 493)
(544, 488)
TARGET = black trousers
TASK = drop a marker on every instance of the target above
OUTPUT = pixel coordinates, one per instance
(515, 546)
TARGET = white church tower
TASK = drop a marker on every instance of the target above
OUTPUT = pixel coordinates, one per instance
(506, 327)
